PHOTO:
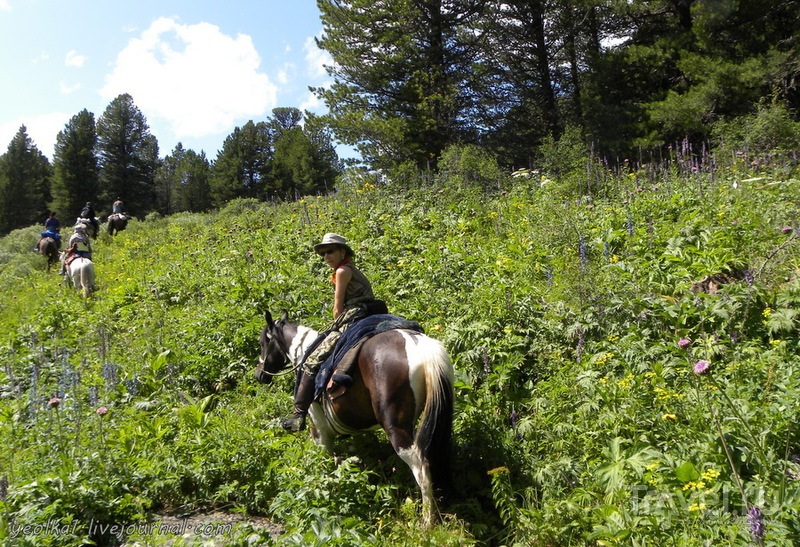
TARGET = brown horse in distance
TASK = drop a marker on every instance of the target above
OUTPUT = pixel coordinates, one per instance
(48, 247)
(117, 222)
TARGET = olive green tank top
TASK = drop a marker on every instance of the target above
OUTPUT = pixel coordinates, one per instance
(359, 289)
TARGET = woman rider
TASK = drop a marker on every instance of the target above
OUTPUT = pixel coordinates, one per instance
(352, 290)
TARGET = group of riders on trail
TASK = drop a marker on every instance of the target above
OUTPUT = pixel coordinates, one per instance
(79, 244)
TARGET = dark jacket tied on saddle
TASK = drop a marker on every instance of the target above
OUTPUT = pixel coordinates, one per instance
(358, 333)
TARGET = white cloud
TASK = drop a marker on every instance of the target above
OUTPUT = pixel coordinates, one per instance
(316, 59)
(195, 77)
(41, 129)
(312, 104)
(4, 5)
(285, 73)
(73, 59)
(66, 89)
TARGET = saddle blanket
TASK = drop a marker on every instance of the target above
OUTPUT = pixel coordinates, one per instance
(355, 335)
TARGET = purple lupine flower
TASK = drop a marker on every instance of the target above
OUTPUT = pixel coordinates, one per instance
(684, 342)
(756, 522)
(701, 366)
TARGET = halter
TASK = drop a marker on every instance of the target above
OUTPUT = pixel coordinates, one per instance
(285, 353)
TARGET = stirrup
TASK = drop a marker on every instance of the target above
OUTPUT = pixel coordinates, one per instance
(296, 422)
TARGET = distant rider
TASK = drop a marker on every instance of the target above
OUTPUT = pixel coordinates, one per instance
(116, 208)
(79, 245)
(88, 212)
(52, 224)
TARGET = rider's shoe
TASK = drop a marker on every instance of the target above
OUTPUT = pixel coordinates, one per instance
(296, 422)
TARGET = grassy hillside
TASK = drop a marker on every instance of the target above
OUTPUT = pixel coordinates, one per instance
(609, 392)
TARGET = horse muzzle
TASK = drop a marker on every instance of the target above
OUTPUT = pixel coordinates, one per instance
(262, 377)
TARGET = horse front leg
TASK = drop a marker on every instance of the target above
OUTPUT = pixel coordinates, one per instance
(321, 432)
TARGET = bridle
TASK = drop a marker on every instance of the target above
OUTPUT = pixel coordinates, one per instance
(273, 340)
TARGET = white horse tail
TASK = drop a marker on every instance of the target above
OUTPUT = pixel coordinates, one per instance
(436, 428)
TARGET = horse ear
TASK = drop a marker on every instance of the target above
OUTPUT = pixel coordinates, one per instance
(268, 317)
(285, 316)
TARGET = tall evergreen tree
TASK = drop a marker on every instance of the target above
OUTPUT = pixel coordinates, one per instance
(24, 184)
(167, 180)
(76, 170)
(403, 81)
(128, 157)
(182, 182)
(242, 166)
(194, 190)
(304, 159)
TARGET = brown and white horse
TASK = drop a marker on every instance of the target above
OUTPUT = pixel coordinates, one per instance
(403, 382)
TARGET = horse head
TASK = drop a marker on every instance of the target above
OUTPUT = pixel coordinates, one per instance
(274, 348)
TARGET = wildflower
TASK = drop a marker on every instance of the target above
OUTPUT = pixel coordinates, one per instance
(102, 411)
(701, 367)
(498, 471)
(684, 342)
(697, 507)
(669, 417)
(54, 402)
(787, 229)
(756, 522)
(710, 474)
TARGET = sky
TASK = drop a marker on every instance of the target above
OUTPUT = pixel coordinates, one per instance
(196, 69)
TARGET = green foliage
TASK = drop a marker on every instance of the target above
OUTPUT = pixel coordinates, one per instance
(574, 326)
(128, 157)
(76, 177)
(24, 184)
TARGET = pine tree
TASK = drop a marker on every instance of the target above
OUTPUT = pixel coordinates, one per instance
(403, 86)
(194, 191)
(24, 184)
(128, 157)
(76, 177)
(304, 160)
(241, 168)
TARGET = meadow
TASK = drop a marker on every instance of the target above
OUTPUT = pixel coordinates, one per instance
(625, 344)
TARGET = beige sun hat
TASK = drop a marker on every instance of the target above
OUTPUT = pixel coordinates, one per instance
(334, 239)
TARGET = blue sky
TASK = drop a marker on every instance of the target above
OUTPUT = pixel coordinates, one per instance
(195, 68)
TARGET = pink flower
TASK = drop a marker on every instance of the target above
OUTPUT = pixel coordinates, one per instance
(683, 342)
(54, 402)
(787, 229)
(102, 411)
(701, 366)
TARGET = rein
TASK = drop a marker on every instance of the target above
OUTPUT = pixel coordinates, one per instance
(287, 359)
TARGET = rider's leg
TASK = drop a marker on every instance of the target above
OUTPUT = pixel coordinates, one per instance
(302, 400)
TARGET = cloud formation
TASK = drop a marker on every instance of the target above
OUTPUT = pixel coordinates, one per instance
(198, 79)
(73, 59)
(316, 59)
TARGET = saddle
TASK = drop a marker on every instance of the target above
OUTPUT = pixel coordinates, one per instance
(73, 255)
(333, 375)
